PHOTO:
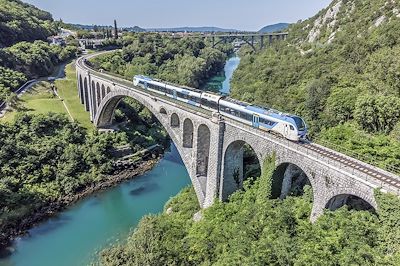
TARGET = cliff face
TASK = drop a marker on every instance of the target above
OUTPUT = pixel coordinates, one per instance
(359, 18)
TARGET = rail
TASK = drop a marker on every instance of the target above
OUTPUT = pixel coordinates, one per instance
(371, 173)
(364, 158)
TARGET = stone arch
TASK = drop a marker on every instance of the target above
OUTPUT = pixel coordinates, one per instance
(86, 93)
(235, 168)
(163, 111)
(93, 96)
(98, 94)
(349, 200)
(104, 118)
(288, 179)
(108, 90)
(188, 131)
(81, 93)
(203, 150)
(175, 120)
(103, 92)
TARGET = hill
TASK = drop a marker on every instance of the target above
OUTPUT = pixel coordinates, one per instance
(23, 22)
(135, 29)
(274, 28)
(339, 70)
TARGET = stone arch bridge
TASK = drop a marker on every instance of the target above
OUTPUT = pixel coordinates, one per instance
(211, 147)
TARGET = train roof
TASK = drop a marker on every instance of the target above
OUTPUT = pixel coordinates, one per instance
(169, 83)
(143, 77)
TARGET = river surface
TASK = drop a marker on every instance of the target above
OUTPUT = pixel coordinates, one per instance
(221, 83)
(75, 236)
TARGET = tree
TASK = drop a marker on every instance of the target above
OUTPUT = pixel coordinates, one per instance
(377, 113)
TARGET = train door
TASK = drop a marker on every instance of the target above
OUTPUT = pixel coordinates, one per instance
(256, 121)
(145, 85)
(286, 131)
(174, 94)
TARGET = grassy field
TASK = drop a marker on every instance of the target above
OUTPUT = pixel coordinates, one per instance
(67, 89)
(41, 99)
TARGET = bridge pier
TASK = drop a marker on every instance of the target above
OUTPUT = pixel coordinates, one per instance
(211, 147)
(262, 42)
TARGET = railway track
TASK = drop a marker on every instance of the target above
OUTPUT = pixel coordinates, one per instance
(374, 172)
(353, 163)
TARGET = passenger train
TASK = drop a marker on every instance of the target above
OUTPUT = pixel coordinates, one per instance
(291, 127)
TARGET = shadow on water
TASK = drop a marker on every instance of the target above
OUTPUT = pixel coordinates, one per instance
(52, 225)
(144, 189)
(172, 155)
(74, 236)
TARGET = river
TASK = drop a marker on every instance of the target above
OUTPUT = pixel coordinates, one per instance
(221, 83)
(75, 236)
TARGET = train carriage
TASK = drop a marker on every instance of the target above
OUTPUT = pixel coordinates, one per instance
(181, 94)
(289, 126)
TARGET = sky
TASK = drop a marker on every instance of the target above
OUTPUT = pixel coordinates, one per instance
(232, 14)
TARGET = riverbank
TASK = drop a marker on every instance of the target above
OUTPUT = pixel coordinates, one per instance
(53, 208)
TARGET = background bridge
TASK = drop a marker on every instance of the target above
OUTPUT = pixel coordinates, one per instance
(212, 148)
(257, 41)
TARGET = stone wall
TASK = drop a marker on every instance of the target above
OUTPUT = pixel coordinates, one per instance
(212, 148)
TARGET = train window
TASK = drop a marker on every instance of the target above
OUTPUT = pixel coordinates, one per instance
(299, 122)
(212, 105)
(246, 116)
(267, 122)
(168, 91)
(291, 127)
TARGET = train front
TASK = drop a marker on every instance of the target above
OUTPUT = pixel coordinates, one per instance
(301, 127)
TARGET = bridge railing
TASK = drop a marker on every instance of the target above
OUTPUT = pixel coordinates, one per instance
(365, 158)
(392, 170)
(121, 80)
(331, 162)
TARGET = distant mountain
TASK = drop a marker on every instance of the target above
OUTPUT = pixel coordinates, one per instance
(193, 29)
(135, 29)
(274, 28)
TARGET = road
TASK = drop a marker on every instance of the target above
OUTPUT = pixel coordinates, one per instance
(59, 73)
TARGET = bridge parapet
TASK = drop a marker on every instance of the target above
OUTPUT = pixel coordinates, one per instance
(207, 145)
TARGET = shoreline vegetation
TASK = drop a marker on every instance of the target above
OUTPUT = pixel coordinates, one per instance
(49, 162)
(51, 209)
(254, 228)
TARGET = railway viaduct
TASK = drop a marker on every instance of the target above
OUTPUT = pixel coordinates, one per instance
(212, 148)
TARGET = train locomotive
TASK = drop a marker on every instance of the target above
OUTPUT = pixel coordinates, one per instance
(289, 126)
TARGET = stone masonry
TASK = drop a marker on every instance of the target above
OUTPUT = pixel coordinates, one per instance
(211, 147)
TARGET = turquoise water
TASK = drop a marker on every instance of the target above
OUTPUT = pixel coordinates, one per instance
(221, 83)
(75, 235)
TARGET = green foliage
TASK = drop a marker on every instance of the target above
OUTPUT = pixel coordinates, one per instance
(328, 82)
(45, 157)
(38, 58)
(379, 149)
(10, 79)
(377, 113)
(252, 229)
(23, 22)
(185, 61)
(140, 128)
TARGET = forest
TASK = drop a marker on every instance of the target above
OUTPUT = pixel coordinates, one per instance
(45, 157)
(186, 61)
(23, 22)
(253, 228)
(340, 71)
(24, 51)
